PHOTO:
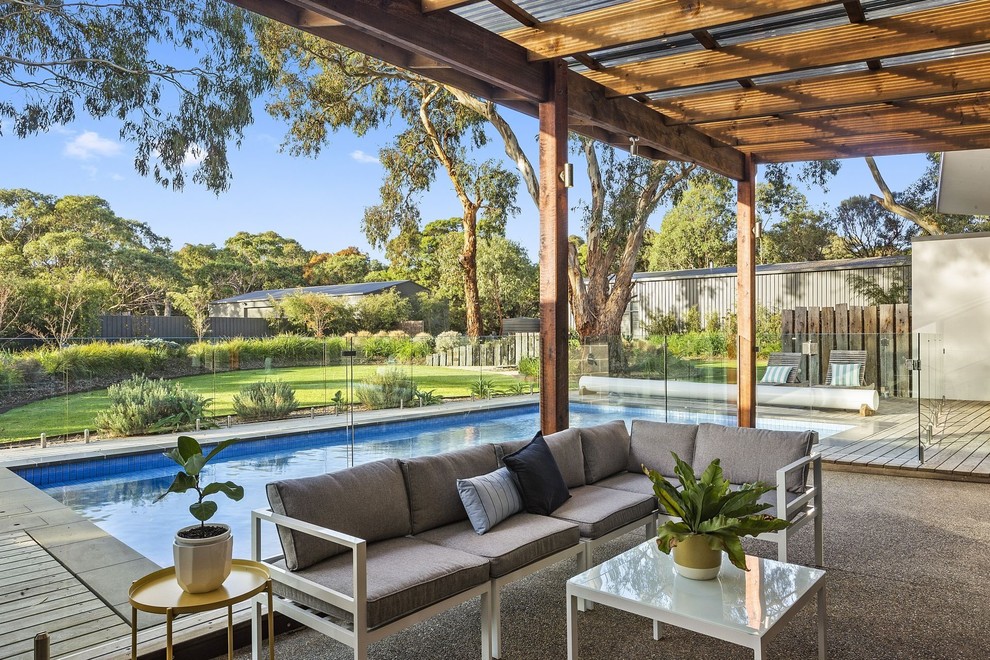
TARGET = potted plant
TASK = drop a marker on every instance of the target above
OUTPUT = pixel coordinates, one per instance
(202, 552)
(712, 519)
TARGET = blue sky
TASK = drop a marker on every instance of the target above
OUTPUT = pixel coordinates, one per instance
(319, 202)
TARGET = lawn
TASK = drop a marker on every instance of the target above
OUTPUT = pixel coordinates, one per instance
(314, 386)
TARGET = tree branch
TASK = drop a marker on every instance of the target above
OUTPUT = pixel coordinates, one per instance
(888, 202)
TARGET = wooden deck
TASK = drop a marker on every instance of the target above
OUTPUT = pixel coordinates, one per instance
(38, 593)
(961, 451)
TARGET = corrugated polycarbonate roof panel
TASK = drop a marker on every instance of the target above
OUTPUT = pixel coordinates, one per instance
(885, 8)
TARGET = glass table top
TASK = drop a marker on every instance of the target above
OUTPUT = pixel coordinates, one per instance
(749, 601)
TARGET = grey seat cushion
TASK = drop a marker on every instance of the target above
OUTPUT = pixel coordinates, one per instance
(750, 455)
(651, 444)
(632, 482)
(367, 501)
(517, 541)
(606, 450)
(404, 576)
(432, 484)
(598, 511)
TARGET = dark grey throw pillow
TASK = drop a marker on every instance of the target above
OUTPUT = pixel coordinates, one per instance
(542, 486)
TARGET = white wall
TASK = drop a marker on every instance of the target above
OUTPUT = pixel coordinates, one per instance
(950, 296)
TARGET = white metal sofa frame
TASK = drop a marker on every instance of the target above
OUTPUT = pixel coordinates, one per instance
(360, 637)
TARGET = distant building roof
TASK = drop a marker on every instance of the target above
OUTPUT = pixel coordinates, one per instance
(798, 267)
(359, 289)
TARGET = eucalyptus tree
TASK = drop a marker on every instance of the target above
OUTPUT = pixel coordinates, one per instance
(699, 231)
(179, 76)
(625, 192)
(324, 88)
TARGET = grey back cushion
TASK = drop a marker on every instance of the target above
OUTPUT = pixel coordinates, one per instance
(566, 449)
(432, 484)
(367, 501)
(651, 444)
(606, 450)
(749, 455)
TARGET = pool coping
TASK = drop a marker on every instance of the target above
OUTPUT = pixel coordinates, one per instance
(35, 456)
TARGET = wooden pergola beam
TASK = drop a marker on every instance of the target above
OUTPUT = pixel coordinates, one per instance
(489, 66)
(884, 144)
(928, 114)
(917, 32)
(641, 20)
(899, 83)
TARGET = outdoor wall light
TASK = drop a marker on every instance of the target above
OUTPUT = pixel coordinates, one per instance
(567, 175)
(633, 145)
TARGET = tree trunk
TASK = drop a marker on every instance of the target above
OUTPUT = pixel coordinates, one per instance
(469, 262)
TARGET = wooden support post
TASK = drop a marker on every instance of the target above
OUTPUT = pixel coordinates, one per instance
(746, 295)
(553, 253)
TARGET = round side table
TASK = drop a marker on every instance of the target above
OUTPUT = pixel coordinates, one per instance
(159, 593)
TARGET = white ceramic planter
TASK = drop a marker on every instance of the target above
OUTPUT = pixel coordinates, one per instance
(202, 565)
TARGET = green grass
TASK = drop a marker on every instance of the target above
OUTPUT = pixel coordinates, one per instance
(73, 413)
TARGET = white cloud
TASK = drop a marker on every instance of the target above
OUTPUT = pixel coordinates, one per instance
(116, 177)
(90, 145)
(362, 157)
(194, 156)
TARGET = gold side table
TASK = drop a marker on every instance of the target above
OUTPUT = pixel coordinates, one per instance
(159, 593)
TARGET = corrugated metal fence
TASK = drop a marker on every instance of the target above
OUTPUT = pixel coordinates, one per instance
(178, 327)
(778, 286)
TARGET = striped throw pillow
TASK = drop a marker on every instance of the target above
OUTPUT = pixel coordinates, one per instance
(490, 498)
(776, 375)
(845, 375)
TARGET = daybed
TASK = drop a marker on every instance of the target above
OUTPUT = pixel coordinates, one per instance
(378, 547)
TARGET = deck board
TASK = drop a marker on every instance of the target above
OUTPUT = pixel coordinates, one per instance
(37, 594)
(963, 450)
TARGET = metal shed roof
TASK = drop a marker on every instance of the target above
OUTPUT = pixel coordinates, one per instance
(359, 289)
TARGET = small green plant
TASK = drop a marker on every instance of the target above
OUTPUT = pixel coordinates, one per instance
(142, 405)
(519, 387)
(188, 454)
(265, 400)
(338, 402)
(707, 507)
(483, 388)
(427, 397)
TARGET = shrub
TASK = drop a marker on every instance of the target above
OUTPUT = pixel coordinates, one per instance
(697, 344)
(265, 400)
(425, 339)
(692, 319)
(713, 322)
(529, 367)
(100, 359)
(389, 388)
(382, 311)
(660, 323)
(142, 405)
(449, 340)
(383, 347)
(412, 350)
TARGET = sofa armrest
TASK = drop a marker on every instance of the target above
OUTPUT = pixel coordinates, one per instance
(812, 491)
(356, 604)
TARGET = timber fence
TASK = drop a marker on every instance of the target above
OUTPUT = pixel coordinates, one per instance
(883, 331)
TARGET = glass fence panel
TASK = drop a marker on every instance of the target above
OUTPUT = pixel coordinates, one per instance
(930, 382)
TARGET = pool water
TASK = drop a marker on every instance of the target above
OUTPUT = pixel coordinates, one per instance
(118, 493)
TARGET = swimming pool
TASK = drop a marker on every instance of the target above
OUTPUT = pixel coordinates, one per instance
(118, 493)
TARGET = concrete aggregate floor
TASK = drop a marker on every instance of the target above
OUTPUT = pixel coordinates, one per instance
(907, 561)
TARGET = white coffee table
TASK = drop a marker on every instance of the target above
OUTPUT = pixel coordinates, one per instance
(742, 607)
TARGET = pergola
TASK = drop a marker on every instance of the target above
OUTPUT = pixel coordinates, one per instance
(725, 84)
